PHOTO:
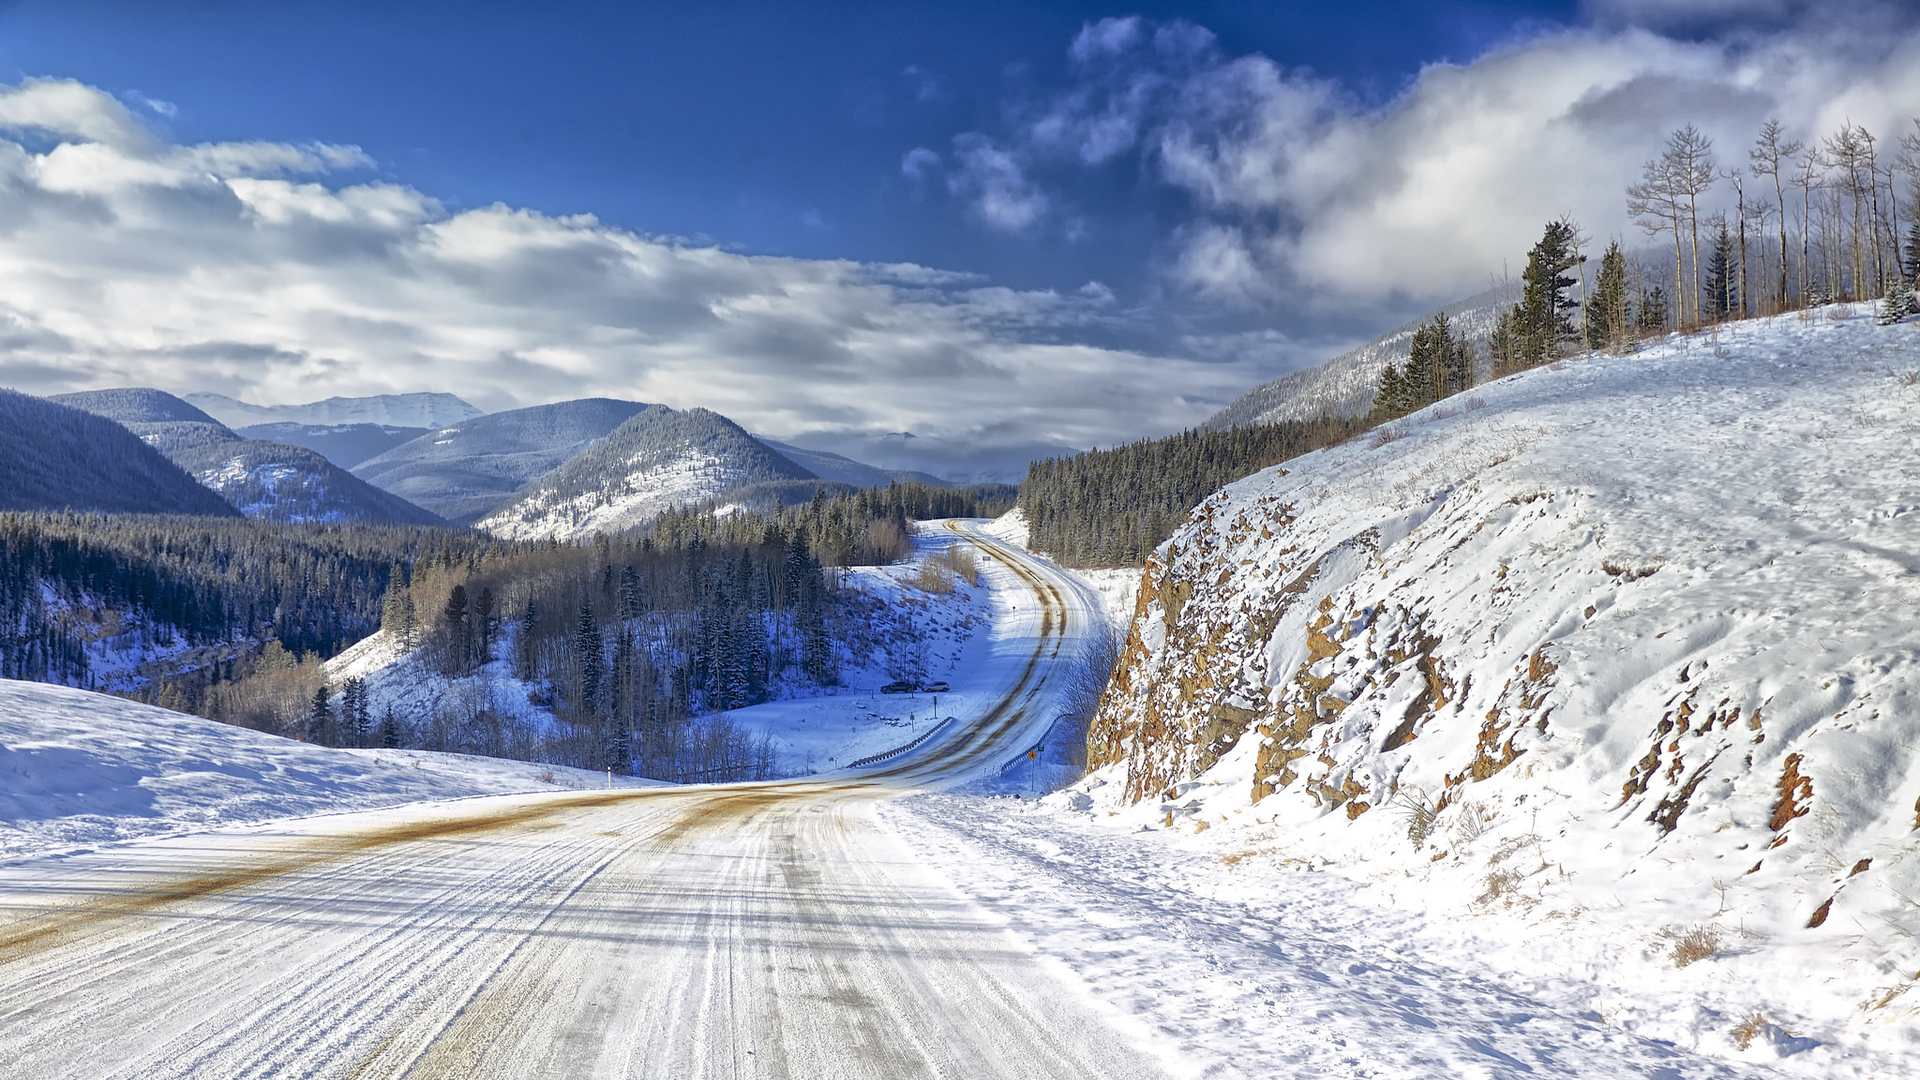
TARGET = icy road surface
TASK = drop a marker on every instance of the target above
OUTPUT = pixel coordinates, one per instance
(769, 930)
(759, 930)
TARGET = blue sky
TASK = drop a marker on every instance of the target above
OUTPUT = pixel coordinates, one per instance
(1007, 228)
(774, 127)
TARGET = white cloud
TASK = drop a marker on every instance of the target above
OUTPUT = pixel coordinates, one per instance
(244, 269)
(67, 109)
(995, 184)
(918, 162)
(1299, 191)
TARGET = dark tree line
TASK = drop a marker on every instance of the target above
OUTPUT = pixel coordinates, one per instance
(1439, 365)
(867, 527)
(633, 648)
(71, 582)
(1113, 507)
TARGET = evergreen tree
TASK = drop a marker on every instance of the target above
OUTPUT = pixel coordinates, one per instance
(1607, 322)
(1721, 297)
(1438, 366)
(484, 621)
(390, 733)
(1503, 346)
(529, 619)
(590, 655)
(1543, 323)
(1652, 310)
(1390, 401)
(454, 623)
(355, 721)
(1898, 302)
(320, 718)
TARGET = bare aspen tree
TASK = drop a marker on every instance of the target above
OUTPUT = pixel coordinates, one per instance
(1740, 211)
(1689, 158)
(1806, 177)
(1847, 153)
(1769, 150)
(1655, 204)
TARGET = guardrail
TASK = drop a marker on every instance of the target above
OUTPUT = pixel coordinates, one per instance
(875, 759)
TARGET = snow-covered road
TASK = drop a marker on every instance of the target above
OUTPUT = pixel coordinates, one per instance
(801, 928)
(757, 930)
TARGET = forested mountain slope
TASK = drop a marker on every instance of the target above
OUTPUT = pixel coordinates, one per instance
(58, 457)
(464, 470)
(1622, 648)
(392, 410)
(346, 445)
(1345, 385)
(844, 470)
(658, 459)
(265, 480)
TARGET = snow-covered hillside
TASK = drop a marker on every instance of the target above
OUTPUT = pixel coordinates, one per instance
(1345, 385)
(264, 480)
(463, 471)
(1621, 655)
(79, 769)
(660, 458)
(424, 410)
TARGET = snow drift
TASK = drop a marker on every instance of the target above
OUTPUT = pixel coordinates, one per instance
(1624, 652)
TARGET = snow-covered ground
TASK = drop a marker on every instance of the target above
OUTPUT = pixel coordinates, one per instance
(885, 622)
(1606, 677)
(692, 477)
(79, 770)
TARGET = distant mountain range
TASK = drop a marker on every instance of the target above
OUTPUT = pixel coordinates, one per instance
(266, 480)
(59, 457)
(845, 470)
(346, 445)
(658, 458)
(562, 470)
(465, 470)
(387, 410)
(1345, 385)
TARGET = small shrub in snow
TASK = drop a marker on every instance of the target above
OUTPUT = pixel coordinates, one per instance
(1696, 944)
(1418, 811)
(1749, 1029)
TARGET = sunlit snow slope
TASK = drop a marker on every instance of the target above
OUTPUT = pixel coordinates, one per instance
(1640, 632)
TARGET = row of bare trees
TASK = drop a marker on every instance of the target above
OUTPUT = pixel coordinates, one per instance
(1800, 223)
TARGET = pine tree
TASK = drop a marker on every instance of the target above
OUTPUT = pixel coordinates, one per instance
(1898, 302)
(1652, 310)
(390, 734)
(590, 655)
(355, 721)
(529, 619)
(483, 623)
(1607, 323)
(1722, 287)
(320, 717)
(1502, 346)
(1543, 320)
(1389, 402)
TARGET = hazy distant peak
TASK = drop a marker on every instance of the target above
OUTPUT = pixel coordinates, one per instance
(134, 405)
(419, 410)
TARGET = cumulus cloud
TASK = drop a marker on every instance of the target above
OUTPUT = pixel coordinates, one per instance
(1297, 190)
(995, 183)
(248, 269)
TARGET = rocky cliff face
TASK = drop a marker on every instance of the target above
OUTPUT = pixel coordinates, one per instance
(1635, 634)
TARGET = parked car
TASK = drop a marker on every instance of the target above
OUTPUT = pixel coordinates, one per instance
(904, 686)
(935, 688)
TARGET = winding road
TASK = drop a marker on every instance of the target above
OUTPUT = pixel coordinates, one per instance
(754, 930)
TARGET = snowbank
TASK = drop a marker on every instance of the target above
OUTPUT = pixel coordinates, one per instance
(1620, 656)
(79, 769)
